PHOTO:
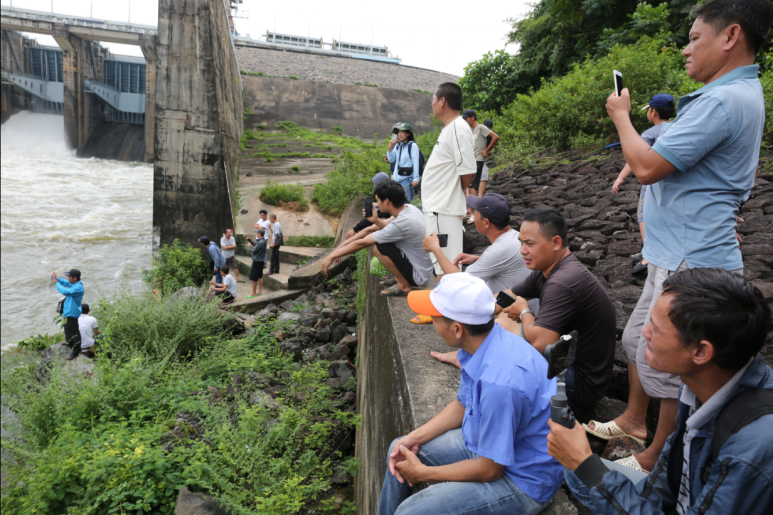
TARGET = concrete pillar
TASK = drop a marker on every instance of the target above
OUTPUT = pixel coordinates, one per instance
(82, 112)
(148, 46)
(199, 110)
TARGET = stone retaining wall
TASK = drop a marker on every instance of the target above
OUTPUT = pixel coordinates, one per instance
(344, 70)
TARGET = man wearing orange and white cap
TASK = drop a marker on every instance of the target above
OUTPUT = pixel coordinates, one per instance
(485, 450)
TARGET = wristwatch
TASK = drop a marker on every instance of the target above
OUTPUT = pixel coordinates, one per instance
(524, 312)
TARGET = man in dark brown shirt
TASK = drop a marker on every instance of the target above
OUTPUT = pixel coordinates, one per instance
(571, 298)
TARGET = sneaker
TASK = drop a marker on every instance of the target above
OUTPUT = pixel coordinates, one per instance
(636, 257)
(639, 269)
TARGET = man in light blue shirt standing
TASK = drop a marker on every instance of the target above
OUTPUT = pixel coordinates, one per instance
(699, 171)
(486, 450)
(404, 152)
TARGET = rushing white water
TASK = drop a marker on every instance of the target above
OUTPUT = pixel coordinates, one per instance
(61, 212)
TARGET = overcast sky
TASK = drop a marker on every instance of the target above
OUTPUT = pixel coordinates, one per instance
(426, 34)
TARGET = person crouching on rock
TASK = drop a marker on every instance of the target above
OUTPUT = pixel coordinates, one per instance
(227, 289)
(72, 289)
(398, 245)
(88, 329)
(485, 451)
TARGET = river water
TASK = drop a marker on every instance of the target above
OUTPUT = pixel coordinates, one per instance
(60, 212)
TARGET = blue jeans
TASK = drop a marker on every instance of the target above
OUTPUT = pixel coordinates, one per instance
(218, 277)
(581, 491)
(491, 498)
(406, 183)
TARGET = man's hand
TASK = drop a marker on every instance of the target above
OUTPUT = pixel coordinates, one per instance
(397, 456)
(514, 310)
(569, 447)
(619, 108)
(415, 183)
(432, 243)
(485, 153)
(616, 185)
(465, 259)
(350, 233)
(326, 264)
(374, 215)
(54, 277)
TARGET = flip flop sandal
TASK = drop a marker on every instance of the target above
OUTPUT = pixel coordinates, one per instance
(608, 430)
(422, 319)
(394, 291)
(631, 463)
(389, 282)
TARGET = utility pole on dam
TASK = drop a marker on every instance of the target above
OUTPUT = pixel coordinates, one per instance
(198, 121)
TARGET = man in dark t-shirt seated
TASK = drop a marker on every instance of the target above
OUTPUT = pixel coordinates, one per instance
(571, 298)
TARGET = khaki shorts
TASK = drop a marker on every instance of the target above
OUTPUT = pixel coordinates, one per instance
(231, 263)
(445, 224)
(656, 384)
(484, 173)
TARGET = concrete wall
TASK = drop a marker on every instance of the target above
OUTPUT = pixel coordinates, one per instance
(360, 110)
(118, 141)
(198, 121)
(82, 111)
(399, 386)
(12, 99)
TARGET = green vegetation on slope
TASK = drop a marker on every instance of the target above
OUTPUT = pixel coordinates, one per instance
(160, 415)
(310, 241)
(273, 193)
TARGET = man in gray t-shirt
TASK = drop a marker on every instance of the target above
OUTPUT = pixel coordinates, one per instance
(398, 244)
(501, 265)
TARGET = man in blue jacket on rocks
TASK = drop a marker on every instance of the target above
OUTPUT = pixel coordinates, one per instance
(707, 327)
(216, 257)
(72, 289)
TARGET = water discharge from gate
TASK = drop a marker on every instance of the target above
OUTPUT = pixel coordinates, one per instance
(60, 212)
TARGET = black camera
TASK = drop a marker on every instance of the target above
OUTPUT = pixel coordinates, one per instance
(560, 356)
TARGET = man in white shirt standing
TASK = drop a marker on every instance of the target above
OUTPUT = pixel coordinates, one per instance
(88, 327)
(228, 248)
(449, 172)
(277, 240)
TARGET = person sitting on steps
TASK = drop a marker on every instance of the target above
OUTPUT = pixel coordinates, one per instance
(571, 298)
(485, 451)
(501, 264)
(397, 244)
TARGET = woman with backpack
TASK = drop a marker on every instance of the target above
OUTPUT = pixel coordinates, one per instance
(404, 153)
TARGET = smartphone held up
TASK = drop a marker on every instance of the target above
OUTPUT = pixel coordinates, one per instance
(618, 82)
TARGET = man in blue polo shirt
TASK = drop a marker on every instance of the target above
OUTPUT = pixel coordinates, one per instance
(485, 450)
(700, 170)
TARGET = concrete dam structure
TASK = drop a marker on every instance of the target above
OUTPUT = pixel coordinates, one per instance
(187, 122)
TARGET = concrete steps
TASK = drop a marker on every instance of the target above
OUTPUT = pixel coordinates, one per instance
(291, 255)
(272, 282)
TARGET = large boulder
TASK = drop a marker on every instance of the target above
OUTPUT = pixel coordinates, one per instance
(56, 355)
(194, 503)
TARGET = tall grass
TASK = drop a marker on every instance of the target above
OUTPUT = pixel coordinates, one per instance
(273, 193)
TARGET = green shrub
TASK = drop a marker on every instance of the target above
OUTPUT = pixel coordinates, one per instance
(310, 241)
(127, 442)
(295, 168)
(177, 266)
(337, 130)
(351, 179)
(40, 342)
(293, 77)
(150, 325)
(270, 159)
(272, 193)
(571, 110)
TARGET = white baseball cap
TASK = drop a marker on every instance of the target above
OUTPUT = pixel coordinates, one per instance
(460, 297)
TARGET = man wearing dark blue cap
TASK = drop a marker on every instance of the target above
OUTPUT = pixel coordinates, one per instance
(659, 111)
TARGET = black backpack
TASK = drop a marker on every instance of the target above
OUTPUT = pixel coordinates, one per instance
(422, 161)
(741, 411)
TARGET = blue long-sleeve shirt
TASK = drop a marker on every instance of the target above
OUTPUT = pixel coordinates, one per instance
(405, 159)
(73, 295)
(216, 255)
